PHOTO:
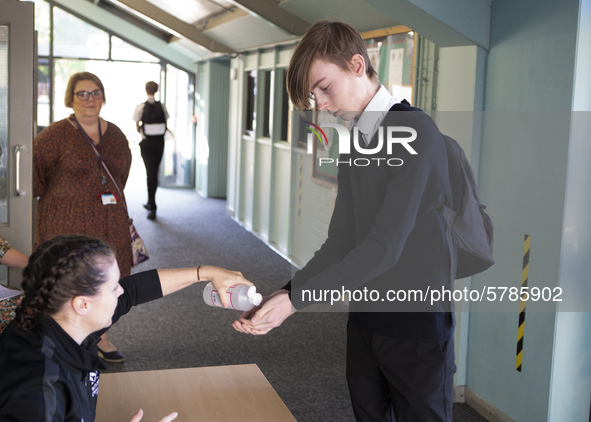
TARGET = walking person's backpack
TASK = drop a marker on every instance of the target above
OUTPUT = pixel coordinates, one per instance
(468, 226)
(153, 119)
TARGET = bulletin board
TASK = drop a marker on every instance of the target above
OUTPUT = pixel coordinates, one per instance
(393, 59)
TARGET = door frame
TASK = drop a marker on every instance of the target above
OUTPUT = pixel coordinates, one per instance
(20, 17)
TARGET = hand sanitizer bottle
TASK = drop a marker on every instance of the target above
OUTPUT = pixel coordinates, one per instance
(241, 297)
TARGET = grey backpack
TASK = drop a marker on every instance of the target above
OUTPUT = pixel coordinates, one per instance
(468, 226)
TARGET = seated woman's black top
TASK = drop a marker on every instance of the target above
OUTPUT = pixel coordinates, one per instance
(46, 376)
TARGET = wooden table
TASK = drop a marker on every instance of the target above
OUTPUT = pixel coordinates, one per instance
(220, 393)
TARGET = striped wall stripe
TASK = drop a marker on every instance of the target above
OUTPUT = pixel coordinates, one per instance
(524, 279)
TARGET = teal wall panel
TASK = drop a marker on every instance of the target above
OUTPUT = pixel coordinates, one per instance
(218, 127)
(211, 152)
(523, 179)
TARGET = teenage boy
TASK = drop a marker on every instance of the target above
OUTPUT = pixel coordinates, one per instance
(385, 232)
(150, 118)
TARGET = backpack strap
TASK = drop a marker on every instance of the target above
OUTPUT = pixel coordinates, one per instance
(447, 213)
(144, 112)
(454, 168)
(404, 106)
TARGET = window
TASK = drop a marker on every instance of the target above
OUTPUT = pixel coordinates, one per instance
(178, 152)
(121, 50)
(251, 93)
(267, 116)
(63, 70)
(43, 97)
(76, 38)
(42, 27)
(69, 44)
(285, 110)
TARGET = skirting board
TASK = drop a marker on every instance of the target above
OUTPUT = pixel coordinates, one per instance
(463, 394)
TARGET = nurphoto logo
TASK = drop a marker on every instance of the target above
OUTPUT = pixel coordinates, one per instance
(386, 139)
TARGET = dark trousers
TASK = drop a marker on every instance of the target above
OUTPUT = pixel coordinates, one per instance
(152, 149)
(399, 381)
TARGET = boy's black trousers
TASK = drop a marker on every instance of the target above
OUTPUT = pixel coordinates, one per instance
(399, 381)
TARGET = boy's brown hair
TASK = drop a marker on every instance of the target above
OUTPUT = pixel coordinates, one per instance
(334, 42)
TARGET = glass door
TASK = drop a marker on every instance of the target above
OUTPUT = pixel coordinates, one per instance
(17, 53)
(177, 167)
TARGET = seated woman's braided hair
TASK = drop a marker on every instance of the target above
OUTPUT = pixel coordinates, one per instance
(60, 269)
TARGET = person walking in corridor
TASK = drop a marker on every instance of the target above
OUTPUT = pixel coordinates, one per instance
(150, 118)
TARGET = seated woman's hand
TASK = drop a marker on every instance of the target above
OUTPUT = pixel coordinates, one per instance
(140, 414)
(222, 279)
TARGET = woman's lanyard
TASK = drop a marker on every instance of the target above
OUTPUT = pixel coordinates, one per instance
(98, 147)
(106, 197)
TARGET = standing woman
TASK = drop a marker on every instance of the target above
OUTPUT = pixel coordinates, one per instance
(75, 196)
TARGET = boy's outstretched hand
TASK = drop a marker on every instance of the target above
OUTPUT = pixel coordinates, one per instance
(274, 309)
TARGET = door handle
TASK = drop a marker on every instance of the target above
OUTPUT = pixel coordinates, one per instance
(17, 170)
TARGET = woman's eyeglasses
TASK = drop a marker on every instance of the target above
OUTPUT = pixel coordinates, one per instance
(85, 95)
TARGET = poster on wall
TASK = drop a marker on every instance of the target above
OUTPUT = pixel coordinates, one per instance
(396, 65)
(397, 88)
(374, 56)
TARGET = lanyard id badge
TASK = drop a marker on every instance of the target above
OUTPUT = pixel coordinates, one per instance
(108, 198)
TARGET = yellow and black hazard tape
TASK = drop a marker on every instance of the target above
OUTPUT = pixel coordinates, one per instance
(524, 278)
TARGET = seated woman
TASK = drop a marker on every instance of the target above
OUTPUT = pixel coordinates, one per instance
(49, 363)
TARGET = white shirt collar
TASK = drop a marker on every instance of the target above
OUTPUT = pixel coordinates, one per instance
(374, 113)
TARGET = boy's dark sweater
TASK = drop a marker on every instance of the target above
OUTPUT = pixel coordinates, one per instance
(385, 234)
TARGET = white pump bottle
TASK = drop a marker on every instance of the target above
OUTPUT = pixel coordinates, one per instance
(241, 297)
